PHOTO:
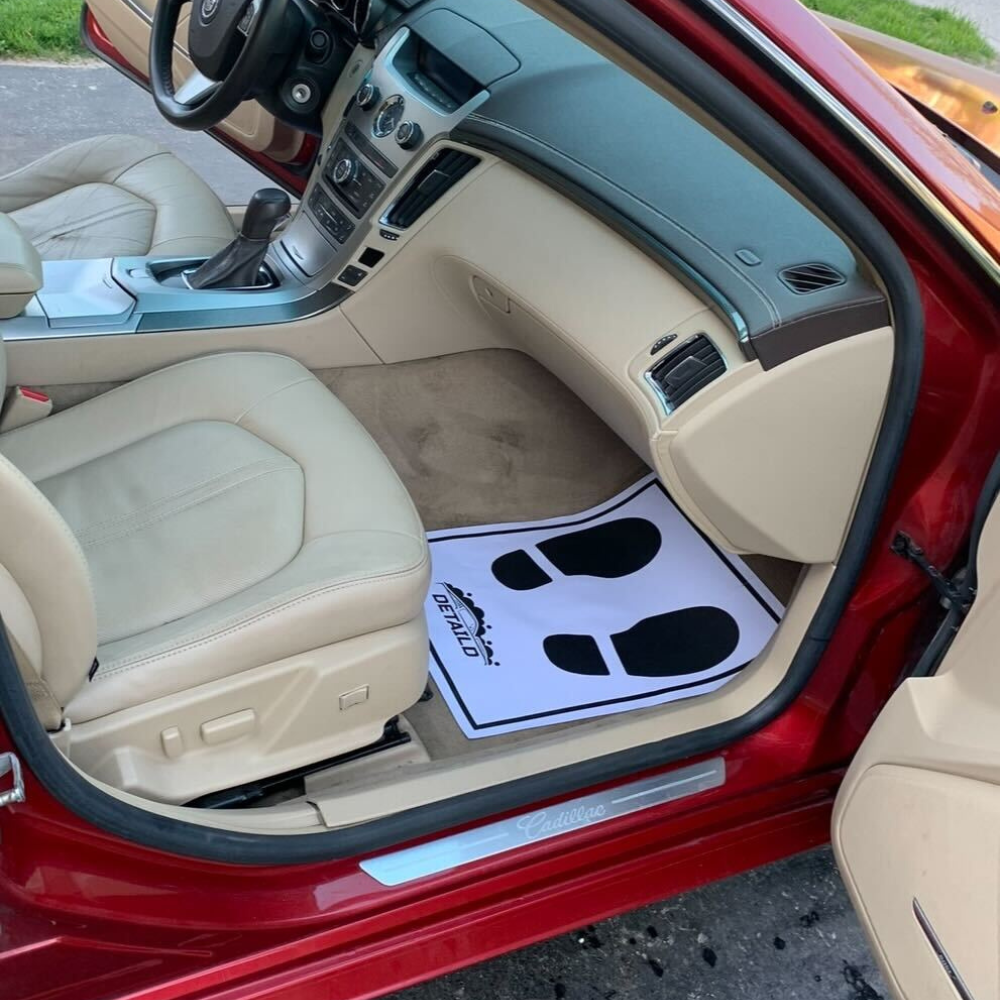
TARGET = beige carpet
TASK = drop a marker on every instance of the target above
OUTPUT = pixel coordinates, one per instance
(491, 436)
(486, 436)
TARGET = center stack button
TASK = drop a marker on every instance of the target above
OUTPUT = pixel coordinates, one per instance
(345, 171)
(367, 96)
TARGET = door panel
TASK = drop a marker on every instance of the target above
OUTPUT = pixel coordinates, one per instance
(917, 824)
(127, 25)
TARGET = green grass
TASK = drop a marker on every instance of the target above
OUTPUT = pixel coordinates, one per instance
(49, 29)
(932, 27)
(40, 29)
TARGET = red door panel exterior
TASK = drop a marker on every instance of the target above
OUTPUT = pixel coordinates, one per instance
(86, 915)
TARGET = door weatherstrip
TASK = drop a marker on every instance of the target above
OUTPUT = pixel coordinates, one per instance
(445, 853)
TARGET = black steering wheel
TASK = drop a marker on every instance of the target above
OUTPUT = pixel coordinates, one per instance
(232, 44)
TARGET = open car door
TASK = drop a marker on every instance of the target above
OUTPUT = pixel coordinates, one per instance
(916, 828)
(127, 25)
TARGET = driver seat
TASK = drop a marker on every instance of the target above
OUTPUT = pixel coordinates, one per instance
(115, 196)
(213, 575)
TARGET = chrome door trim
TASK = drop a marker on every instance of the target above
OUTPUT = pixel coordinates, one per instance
(10, 763)
(137, 8)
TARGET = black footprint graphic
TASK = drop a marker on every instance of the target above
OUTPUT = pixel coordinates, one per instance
(610, 550)
(667, 645)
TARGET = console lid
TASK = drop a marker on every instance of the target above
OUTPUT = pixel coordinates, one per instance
(20, 269)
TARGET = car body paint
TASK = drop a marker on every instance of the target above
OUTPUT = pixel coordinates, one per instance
(87, 915)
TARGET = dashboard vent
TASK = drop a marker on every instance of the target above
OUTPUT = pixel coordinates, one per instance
(805, 278)
(438, 174)
(685, 370)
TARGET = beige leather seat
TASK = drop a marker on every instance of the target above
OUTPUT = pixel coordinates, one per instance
(239, 556)
(115, 195)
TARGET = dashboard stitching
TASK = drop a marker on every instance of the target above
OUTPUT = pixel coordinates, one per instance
(762, 294)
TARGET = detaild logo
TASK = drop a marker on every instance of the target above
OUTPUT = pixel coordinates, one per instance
(467, 622)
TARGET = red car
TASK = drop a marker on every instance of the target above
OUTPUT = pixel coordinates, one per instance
(640, 360)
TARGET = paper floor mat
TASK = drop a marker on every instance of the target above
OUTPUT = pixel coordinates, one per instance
(621, 607)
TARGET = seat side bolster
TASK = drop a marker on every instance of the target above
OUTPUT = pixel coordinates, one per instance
(41, 554)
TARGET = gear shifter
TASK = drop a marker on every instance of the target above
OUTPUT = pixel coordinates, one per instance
(238, 265)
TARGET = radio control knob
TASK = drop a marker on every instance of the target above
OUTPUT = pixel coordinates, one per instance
(344, 171)
(367, 96)
(409, 134)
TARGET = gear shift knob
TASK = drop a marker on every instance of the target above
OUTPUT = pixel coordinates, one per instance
(266, 208)
(238, 265)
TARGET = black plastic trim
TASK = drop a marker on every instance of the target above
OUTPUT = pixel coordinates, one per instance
(634, 33)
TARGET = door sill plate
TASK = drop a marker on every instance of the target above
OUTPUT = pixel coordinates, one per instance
(446, 853)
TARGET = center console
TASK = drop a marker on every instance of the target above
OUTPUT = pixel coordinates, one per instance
(412, 96)
(382, 164)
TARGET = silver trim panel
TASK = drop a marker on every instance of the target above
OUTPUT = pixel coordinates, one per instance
(320, 259)
(446, 853)
(195, 89)
(122, 295)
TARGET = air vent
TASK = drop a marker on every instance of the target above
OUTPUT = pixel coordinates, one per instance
(805, 278)
(438, 174)
(686, 370)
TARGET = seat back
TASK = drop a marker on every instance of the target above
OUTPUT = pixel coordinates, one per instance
(46, 600)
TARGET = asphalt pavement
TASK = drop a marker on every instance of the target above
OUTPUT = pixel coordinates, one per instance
(785, 931)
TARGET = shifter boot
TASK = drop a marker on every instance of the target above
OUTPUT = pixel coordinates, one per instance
(238, 265)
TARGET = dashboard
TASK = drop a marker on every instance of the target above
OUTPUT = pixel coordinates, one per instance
(557, 205)
(496, 77)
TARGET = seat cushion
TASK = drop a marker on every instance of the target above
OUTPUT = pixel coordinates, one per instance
(232, 513)
(115, 195)
(226, 517)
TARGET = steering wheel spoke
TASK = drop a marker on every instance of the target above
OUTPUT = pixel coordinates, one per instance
(195, 90)
(248, 18)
